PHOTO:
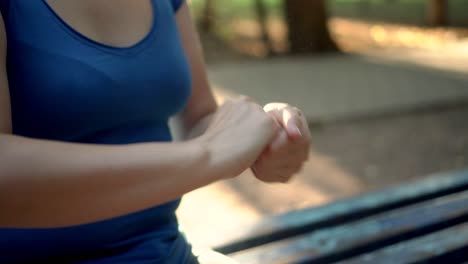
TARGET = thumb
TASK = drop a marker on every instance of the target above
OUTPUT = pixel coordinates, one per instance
(291, 124)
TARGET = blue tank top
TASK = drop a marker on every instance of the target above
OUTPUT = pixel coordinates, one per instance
(67, 87)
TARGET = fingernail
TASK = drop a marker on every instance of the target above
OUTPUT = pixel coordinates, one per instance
(298, 131)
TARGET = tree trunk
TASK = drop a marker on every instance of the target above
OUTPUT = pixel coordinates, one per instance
(307, 25)
(263, 21)
(208, 17)
(438, 11)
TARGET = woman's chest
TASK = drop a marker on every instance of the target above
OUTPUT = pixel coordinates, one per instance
(119, 23)
(59, 78)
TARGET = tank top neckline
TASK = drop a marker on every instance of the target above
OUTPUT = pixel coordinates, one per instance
(137, 46)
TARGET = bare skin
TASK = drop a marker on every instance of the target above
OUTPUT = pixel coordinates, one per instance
(284, 157)
(83, 183)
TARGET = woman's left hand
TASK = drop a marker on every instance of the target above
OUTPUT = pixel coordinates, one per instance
(288, 151)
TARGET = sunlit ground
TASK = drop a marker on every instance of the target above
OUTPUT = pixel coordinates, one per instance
(348, 157)
(213, 212)
(438, 47)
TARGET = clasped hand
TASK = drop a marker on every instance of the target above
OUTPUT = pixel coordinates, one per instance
(289, 149)
(273, 141)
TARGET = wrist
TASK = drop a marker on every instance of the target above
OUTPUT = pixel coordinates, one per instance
(217, 165)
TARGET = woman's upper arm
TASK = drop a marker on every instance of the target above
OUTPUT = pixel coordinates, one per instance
(202, 101)
(5, 108)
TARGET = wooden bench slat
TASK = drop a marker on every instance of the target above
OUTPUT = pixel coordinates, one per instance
(303, 221)
(438, 247)
(352, 239)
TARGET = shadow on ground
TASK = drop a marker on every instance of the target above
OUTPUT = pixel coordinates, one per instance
(376, 121)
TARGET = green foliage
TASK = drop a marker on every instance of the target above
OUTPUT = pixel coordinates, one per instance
(399, 11)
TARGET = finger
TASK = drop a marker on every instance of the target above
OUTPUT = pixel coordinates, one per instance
(279, 142)
(274, 115)
(303, 126)
(284, 178)
(290, 118)
(284, 152)
(274, 106)
(292, 123)
(298, 170)
(294, 168)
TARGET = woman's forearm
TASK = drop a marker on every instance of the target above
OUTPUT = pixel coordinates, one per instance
(51, 184)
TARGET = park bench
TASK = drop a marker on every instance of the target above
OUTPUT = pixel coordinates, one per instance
(419, 222)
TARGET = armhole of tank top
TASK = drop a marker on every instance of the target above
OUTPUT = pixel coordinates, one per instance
(5, 10)
(176, 4)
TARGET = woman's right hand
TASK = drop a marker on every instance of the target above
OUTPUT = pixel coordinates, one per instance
(238, 133)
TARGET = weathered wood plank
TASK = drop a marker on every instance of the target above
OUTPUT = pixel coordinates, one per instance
(352, 239)
(439, 246)
(303, 221)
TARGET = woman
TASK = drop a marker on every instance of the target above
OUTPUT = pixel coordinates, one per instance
(88, 172)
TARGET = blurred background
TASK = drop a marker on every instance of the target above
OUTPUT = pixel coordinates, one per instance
(383, 83)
